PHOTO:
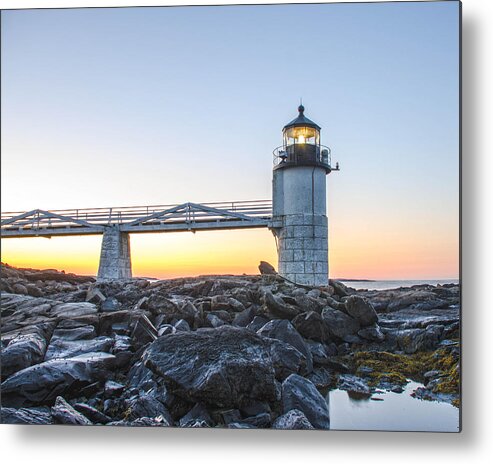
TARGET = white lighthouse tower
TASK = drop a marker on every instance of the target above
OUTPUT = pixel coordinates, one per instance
(299, 224)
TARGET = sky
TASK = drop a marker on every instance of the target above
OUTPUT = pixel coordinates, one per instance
(146, 106)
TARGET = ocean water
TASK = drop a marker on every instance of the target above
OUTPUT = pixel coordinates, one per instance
(390, 284)
(394, 411)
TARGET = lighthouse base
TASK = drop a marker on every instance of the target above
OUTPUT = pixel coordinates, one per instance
(302, 245)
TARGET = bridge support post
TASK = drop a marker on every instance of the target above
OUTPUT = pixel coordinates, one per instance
(115, 261)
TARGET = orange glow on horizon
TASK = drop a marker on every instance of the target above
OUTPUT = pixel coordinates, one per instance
(384, 254)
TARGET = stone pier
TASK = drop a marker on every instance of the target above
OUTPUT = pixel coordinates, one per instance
(115, 261)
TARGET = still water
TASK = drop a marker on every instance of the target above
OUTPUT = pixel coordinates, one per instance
(397, 411)
(389, 284)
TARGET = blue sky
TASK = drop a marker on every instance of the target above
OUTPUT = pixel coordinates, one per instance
(114, 107)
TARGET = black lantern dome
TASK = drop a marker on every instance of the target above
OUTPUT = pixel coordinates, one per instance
(301, 144)
(301, 130)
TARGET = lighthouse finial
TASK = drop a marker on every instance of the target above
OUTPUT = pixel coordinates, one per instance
(301, 108)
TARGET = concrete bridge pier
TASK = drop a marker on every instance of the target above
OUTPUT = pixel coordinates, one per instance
(115, 261)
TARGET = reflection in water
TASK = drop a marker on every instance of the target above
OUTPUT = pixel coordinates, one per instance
(397, 411)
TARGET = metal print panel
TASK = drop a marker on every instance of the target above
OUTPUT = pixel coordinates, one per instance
(253, 214)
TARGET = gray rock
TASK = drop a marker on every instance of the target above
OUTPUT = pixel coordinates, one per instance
(299, 393)
(147, 406)
(23, 351)
(372, 333)
(286, 359)
(257, 323)
(112, 388)
(243, 318)
(292, 420)
(413, 340)
(42, 383)
(431, 374)
(144, 331)
(63, 413)
(85, 332)
(339, 323)
(197, 414)
(266, 268)
(260, 421)
(70, 310)
(94, 295)
(214, 321)
(240, 425)
(278, 308)
(320, 377)
(25, 416)
(91, 413)
(311, 325)
(339, 288)
(110, 305)
(231, 415)
(223, 367)
(67, 349)
(354, 385)
(142, 422)
(121, 343)
(361, 309)
(182, 326)
(166, 329)
(19, 289)
(283, 330)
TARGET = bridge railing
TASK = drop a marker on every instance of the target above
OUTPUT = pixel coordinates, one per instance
(98, 217)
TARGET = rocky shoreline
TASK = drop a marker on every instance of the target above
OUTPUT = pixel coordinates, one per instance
(215, 351)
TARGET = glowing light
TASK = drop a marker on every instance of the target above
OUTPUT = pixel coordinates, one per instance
(301, 139)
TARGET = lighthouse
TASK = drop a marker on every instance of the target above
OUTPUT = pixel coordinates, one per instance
(299, 222)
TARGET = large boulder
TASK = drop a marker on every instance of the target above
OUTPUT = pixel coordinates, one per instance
(339, 324)
(277, 308)
(283, 330)
(311, 325)
(361, 309)
(412, 340)
(223, 367)
(292, 420)
(266, 268)
(286, 359)
(299, 393)
(42, 383)
(22, 352)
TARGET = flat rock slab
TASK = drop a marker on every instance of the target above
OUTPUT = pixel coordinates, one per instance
(224, 367)
(42, 383)
(25, 416)
(73, 309)
(67, 349)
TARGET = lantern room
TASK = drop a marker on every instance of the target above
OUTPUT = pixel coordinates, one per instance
(301, 145)
(301, 131)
